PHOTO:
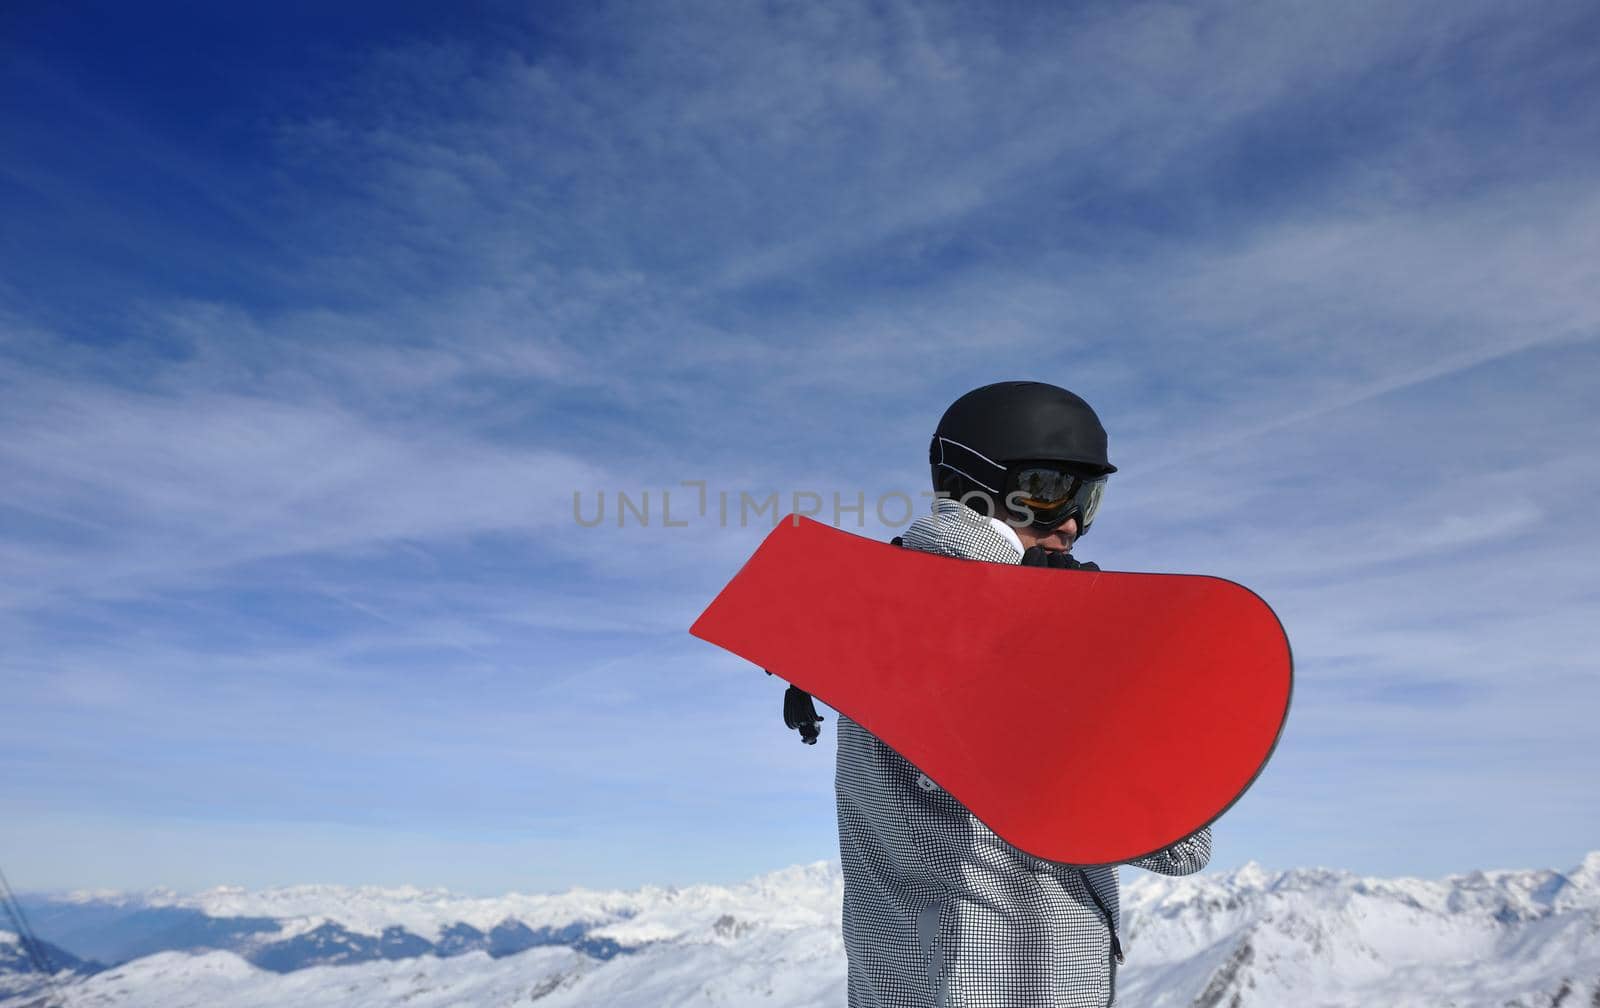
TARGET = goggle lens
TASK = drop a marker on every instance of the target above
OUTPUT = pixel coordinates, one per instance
(1054, 495)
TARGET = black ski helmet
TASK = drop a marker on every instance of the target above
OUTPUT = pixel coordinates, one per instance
(1015, 421)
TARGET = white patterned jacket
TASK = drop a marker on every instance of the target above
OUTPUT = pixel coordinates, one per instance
(939, 912)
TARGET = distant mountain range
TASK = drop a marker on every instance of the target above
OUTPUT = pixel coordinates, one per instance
(1250, 938)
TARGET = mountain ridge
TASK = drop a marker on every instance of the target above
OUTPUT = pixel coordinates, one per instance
(1250, 937)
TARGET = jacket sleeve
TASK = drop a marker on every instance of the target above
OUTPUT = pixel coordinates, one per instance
(1185, 857)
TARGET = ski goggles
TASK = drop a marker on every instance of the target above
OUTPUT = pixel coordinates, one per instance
(1053, 495)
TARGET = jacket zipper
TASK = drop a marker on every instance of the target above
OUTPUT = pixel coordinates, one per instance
(1111, 927)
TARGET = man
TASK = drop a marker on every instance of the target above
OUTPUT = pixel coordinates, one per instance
(939, 912)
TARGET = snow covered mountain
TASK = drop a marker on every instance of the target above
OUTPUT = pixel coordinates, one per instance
(1251, 938)
(18, 974)
(1320, 939)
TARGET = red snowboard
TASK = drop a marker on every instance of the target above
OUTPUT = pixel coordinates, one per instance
(1086, 717)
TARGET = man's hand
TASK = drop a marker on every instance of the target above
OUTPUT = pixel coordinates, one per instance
(801, 714)
(1038, 556)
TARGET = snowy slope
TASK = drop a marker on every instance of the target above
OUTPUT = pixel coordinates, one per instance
(18, 977)
(774, 968)
(1317, 938)
(1252, 938)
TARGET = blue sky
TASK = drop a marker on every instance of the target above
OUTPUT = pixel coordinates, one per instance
(311, 325)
